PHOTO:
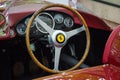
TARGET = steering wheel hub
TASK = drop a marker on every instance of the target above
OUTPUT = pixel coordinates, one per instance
(59, 38)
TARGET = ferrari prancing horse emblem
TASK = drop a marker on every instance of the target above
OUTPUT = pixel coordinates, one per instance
(60, 38)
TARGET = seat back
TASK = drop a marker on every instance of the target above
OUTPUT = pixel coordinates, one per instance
(112, 49)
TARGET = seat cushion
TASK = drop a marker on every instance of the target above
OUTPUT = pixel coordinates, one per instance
(112, 48)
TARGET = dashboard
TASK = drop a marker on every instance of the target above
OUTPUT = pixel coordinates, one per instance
(54, 19)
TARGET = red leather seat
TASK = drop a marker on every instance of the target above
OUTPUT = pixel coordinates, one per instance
(112, 55)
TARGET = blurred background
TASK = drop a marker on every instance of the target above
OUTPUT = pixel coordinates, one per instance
(108, 10)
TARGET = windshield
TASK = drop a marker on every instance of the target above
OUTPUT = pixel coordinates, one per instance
(20, 2)
(6, 4)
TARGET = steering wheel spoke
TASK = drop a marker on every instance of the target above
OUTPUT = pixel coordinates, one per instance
(45, 26)
(57, 58)
(75, 31)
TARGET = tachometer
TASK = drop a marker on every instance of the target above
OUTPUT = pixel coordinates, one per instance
(68, 22)
(48, 19)
(21, 28)
(58, 18)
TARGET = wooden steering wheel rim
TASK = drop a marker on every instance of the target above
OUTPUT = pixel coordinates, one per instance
(28, 39)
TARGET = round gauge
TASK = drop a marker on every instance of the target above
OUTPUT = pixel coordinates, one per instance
(21, 28)
(58, 18)
(27, 20)
(68, 22)
(47, 19)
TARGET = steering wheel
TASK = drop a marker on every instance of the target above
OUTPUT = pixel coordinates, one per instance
(59, 38)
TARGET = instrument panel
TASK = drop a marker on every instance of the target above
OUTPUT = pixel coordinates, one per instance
(54, 19)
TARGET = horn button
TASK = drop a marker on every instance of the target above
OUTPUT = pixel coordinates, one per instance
(59, 38)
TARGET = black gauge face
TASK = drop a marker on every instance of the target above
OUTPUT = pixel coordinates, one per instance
(58, 18)
(47, 19)
(21, 28)
(68, 22)
(27, 20)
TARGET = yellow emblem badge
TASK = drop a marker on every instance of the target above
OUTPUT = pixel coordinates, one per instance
(60, 38)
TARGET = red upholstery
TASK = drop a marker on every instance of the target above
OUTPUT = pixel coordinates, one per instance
(112, 48)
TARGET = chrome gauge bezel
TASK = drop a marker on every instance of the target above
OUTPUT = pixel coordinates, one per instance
(27, 20)
(53, 24)
(68, 20)
(58, 18)
(19, 29)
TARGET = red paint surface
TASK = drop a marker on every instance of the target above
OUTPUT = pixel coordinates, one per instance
(104, 72)
(94, 73)
(112, 72)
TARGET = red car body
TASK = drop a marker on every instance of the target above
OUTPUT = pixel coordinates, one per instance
(109, 70)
